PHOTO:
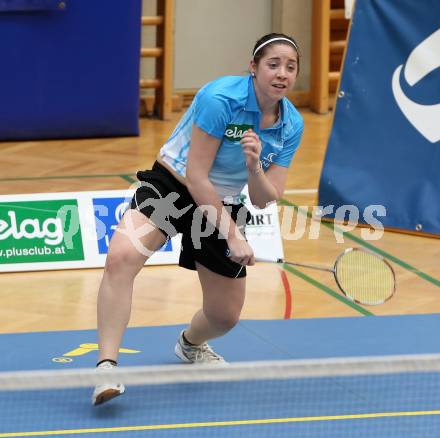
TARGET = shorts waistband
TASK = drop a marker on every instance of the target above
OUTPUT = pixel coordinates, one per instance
(157, 167)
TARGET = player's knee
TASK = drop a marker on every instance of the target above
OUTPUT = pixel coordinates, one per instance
(121, 261)
(114, 262)
(224, 320)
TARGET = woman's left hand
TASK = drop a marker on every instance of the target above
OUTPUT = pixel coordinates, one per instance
(252, 149)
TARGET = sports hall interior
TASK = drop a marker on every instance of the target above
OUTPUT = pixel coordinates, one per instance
(194, 45)
(152, 57)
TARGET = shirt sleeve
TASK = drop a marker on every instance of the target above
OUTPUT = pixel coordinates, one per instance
(211, 113)
(290, 145)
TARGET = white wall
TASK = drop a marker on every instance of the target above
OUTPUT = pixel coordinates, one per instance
(294, 18)
(215, 37)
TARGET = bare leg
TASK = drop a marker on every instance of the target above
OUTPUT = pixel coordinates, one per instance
(223, 299)
(124, 261)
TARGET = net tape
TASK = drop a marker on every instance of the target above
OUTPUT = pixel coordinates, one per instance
(239, 371)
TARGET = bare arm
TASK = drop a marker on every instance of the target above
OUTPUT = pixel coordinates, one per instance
(264, 188)
(202, 152)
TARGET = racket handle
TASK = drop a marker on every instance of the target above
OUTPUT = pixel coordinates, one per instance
(268, 260)
(260, 259)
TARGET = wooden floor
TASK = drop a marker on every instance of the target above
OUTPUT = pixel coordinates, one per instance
(63, 300)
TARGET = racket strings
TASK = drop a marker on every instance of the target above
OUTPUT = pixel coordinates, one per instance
(364, 277)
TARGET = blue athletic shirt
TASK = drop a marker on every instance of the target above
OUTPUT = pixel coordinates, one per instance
(225, 108)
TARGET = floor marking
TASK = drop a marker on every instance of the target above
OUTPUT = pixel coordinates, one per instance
(222, 423)
(288, 295)
(128, 178)
(97, 175)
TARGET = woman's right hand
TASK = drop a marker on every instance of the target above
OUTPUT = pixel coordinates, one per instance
(241, 252)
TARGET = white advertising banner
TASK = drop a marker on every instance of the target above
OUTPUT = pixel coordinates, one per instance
(48, 231)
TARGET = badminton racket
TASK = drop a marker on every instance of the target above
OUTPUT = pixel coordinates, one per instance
(363, 277)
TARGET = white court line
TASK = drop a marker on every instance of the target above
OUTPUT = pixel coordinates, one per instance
(299, 191)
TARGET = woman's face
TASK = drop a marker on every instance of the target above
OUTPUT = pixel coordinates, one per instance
(276, 71)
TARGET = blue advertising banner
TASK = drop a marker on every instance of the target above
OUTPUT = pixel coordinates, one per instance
(384, 148)
(69, 69)
(108, 213)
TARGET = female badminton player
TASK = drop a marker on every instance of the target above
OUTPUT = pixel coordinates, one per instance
(238, 130)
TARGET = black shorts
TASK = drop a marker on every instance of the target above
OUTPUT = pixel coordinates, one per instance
(169, 205)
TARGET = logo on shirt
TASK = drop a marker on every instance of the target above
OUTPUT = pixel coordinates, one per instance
(268, 159)
(235, 132)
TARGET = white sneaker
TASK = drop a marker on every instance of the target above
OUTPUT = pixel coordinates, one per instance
(203, 353)
(106, 391)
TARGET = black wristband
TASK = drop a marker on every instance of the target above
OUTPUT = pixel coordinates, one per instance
(113, 362)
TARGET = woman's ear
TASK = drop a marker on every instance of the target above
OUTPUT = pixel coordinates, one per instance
(252, 68)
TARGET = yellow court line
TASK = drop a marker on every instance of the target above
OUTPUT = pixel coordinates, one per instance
(220, 423)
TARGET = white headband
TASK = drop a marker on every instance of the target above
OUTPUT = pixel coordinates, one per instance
(272, 40)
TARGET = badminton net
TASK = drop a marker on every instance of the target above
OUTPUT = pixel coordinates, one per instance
(390, 396)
